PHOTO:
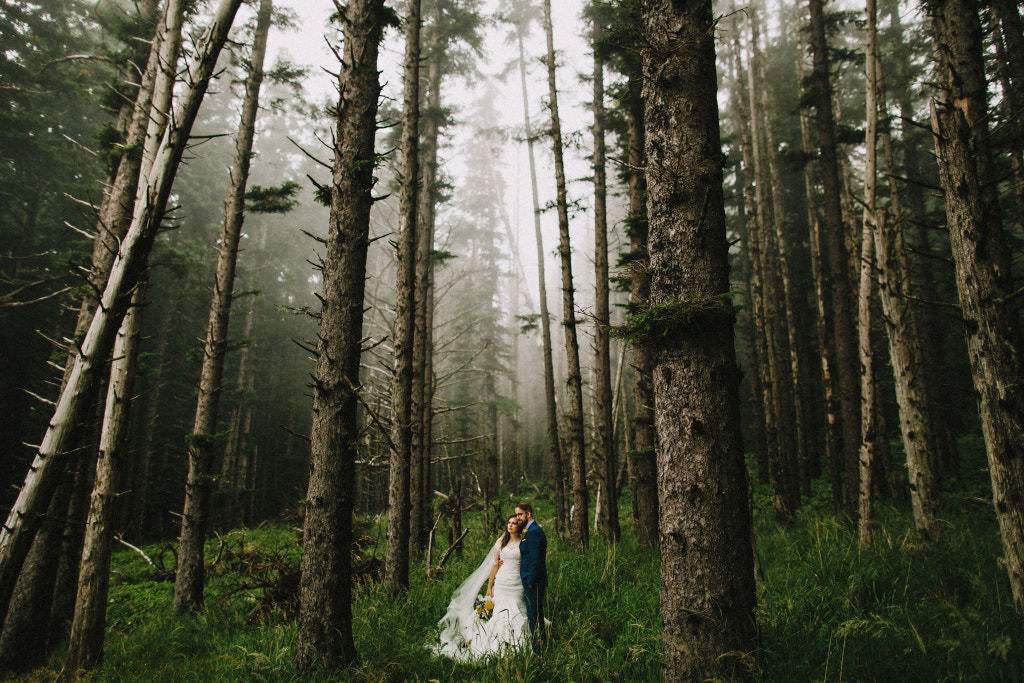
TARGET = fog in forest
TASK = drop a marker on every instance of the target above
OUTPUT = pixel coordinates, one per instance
(795, 281)
(485, 223)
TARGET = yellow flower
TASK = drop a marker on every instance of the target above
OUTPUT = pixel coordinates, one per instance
(488, 604)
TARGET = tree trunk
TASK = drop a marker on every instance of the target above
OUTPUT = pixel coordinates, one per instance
(982, 265)
(707, 572)
(579, 529)
(605, 441)
(905, 347)
(872, 218)
(138, 513)
(796, 457)
(1009, 43)
(823, 286)
(85, 651)
(767, 363)
(396, 559)
(778, 385)
(16, 534)
(236, 452)
(422, 374)
(238, 465)
(190, 574)
(749, 250)
(324, 637)
(553, 438)
(114, 217)
(642, 455)
(935, 343)
(843, 328)
(23, 642)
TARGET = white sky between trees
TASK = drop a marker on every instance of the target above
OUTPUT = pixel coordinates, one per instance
(306, 46)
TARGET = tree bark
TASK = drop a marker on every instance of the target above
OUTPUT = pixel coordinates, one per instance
(642, 456)
(553, 438)
(905, 347)
(749, 258)
(823, 286)
(707, 573)
(190, 573)
(23, 644)
(605, 441)
(140, 507)
(85, 651)
(843, 329)
(396, 559)
(982, 264)
(579, 514)
(422, 378)
(778, 385)
(1009, 44)
(796, 457)
(114, 217)
(324, 635)
(16, 534)
(935, 343)
(872, 218)
(236, 451)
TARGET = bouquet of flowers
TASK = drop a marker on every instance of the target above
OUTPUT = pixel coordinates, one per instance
(484, 607)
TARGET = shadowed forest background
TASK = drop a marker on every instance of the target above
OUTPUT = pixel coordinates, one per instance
(742, 320)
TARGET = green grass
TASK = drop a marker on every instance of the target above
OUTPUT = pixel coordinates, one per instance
(904, 610)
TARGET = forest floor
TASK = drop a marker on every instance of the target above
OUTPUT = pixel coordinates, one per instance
(903, 610)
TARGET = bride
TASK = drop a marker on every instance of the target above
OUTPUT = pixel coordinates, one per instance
(466, 634)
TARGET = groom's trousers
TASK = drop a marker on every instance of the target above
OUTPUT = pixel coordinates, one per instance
(535, 612)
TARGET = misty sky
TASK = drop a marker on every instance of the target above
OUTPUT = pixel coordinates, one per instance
(307, 46)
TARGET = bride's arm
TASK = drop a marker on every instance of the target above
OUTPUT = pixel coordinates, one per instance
(494, 568)
(490, 580)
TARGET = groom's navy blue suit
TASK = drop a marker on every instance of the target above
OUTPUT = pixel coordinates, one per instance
(534, 572)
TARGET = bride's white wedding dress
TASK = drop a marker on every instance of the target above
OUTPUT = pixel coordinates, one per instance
(463, 635)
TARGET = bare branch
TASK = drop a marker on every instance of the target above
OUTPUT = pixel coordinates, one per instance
(304, 437)
(83, 233)
(309, 154)
(16, 304)
(125, 543)
(373, 415)
(453, 546)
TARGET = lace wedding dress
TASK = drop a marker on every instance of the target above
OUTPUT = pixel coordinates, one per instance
(463, 635)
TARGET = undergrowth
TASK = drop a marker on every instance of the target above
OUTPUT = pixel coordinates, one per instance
(903, 610)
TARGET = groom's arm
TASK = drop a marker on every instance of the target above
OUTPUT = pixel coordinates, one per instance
(541, 554)
(530, 560)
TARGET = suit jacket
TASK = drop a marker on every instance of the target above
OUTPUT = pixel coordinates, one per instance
(534, 548)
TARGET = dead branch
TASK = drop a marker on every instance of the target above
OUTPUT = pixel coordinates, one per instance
(38, 397)
(452, 442)
(16, 304)
(309, 154)
(446, 458)
(80, 146)
(455, 409)
(80, 231)
(1015, 295)
(430, 546)
(453, 546)
(373, 415)
(138, 550)
(220, 550)
(304, 437)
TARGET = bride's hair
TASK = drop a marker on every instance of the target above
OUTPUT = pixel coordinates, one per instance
(506, 537)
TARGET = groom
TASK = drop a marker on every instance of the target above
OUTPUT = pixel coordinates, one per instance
(533, 570)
